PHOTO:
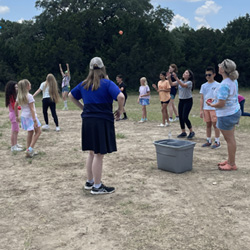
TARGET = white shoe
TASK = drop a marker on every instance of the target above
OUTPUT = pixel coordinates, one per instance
(161, 125)
(167, 124)
(171, 119)
(141, 121)
(176, 119)
(57, 129)
(15, 149)
(19, 146)
(45, 127)
(65, 108)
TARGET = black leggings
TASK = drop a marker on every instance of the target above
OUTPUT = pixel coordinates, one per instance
(47, 102)
(184, 109)
(242, 109)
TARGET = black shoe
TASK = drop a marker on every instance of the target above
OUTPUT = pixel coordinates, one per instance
(124, 118)
(88, 185)
(102, 190)
(182, 135)
(191, 135)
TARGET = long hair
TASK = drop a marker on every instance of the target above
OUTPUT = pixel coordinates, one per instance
(10, 92)
(94, 77)
(53, 88)
(191, 78)
(22, 94)
(229, 67)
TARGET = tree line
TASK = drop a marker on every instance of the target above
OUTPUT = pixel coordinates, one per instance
(72, 31)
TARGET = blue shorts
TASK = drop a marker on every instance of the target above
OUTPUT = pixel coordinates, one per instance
(65, 89)
(144, 101)
(228, 122)
(172, 96)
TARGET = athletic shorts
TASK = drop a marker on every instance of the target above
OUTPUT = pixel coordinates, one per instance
(228, 122)
(166, 102)
(209, 116)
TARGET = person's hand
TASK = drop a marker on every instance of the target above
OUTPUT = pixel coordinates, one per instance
(201, 114)
(17, 119)
(117, 114)
(154, 86)
(35, 123)
(174, 75)
(209, 101)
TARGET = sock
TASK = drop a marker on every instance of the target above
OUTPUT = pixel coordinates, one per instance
(90, 181)
(125, 115)
(217, 140)
(209, 139)
(97, 185)
(30, 148)
(170, 117)
(65, 104)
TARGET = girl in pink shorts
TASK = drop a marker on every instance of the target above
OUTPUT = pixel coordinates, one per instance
(10, 99)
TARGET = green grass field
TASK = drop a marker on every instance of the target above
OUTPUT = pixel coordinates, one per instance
(133, 109)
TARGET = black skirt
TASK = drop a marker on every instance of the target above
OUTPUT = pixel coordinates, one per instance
(98, 135)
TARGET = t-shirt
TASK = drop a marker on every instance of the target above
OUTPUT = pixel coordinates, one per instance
(208, 91)
(143, 90)
(97, 103)
(173, 90)
(65, 81)
(45, 90)
(123, 85)
(228, 91)
(163, 95)
(26, 109)
(185, 93)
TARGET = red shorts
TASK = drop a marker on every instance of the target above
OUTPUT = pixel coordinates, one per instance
(209, 116)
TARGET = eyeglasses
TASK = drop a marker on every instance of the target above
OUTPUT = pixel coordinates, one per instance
(208, 75)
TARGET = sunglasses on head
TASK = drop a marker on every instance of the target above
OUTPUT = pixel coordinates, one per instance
(208, 75)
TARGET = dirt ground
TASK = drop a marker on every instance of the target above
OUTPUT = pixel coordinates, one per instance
(43, 205)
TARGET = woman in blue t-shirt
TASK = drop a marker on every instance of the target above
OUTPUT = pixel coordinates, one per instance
(98, 132)
(227, 109)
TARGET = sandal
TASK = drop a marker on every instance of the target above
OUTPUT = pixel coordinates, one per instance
(222, 163)
(227, 167)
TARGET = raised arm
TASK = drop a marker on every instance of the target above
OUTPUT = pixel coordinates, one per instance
(68, 68)
(60, 67)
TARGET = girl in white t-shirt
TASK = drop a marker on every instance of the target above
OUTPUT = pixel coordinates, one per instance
(50, 98)
(144, 97)
(29, 120)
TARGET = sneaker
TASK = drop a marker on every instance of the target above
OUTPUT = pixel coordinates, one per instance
(216, 145)
(124, 118)
(29, 153)
(88, 185)
(171, 119)
(102, 190)
(45, 127)
(182, 135)
(19, 146)
(167, 124)
(191, 135)
(207, 144)
(142, 120)
(146, 119)
(161, 125)
(15, 149)
(176, 119)
(57, 129)
(65, 108)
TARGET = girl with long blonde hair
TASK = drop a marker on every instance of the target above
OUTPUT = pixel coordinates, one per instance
(29, 120)
(50, 99)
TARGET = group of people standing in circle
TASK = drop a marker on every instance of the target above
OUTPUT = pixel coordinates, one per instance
(98, 92)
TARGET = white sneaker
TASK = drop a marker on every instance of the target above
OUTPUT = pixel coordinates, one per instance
(161, 125)
(167, 124)
(57, 129)
(65, 108)
(176, 119)
(19, 146)
(45, 127)
(171, 119)
(15, 149)
(142, 120)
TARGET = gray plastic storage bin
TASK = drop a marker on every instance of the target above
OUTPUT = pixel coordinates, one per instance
(174, 155)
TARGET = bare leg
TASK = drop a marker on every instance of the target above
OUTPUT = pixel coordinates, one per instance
(35, 137)
(97, 168)
(231, 145)
(89, 163)
(29, 138)
(216, 130)
(14, 138)
(209, 129)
